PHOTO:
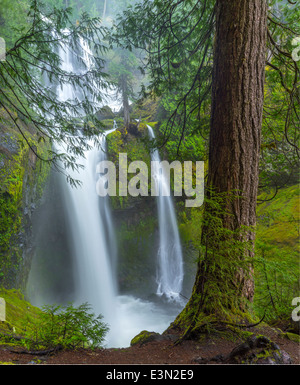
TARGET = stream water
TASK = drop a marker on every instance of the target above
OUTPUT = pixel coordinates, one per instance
(169, 261)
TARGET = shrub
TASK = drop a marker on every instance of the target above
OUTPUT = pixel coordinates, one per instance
(66, 327)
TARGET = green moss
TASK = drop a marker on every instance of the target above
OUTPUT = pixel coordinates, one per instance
(277, 254)
(19, 312)
(146, 109)
(120, 141)
(135, 244)
(291, 336)
(278, 219)
(22, 176)
(263, 355)
(143, 336)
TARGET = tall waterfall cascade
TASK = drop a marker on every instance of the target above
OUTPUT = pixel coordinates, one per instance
(170, 262)
(91, 234)
(93, 239)
(89, 216)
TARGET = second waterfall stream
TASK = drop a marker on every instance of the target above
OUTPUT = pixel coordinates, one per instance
(169, 261)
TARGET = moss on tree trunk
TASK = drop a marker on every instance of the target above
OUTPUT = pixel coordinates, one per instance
(224, 286)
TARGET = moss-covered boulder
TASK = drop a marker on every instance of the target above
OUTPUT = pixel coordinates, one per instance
(291, 336)
(143, 337)
(258, 350)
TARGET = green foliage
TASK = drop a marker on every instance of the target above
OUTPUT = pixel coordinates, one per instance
(19, 312)
(32, 61)
(224, 265)
(135, 236)
(281, 119)
(66, 327)
(94, 7)
(121, 66)
(52, 326)
(21, 178)
(276, 263)
(177, 38)
(277, 267)
(88, 6)
(114, 145)
(11, 178)
(120, 141)
(277, 282)
(13, 21)
(226, 254)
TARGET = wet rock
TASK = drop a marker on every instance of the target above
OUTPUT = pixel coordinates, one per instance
(258, 350)
(145, 337)
(218, 358)
(294, 327)
(9, 143)
(133, 129)
(199, 360)
(291, 337)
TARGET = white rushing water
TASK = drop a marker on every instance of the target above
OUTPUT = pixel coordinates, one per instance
(93, 240)
(89, 216)
(94, 248)
(170, 262)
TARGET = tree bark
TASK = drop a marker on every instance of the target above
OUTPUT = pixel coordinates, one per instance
(234, 152)
(237, 107)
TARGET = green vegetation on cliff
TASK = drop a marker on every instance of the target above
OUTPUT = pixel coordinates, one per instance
(277, 267)
(22, 180)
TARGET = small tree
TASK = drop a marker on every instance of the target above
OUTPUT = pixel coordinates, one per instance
(121, 67)
(66, 327)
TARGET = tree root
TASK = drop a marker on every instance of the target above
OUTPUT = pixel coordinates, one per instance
(32, 352)
(241, 326)
(192, 329)
(38, 352)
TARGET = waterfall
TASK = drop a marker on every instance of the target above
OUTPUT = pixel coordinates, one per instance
(93, 239)
(92, 243)
(89, 217)
(170, 264)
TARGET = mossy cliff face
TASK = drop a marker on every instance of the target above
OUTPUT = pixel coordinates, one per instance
(136, 220)
(277, 268)
(22, 178)
(19, 313)
(135, 217)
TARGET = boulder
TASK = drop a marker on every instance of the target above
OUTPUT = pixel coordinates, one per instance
(258, 350)
(145, 337)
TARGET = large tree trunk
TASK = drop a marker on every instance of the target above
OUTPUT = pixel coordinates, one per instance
(222, 283)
